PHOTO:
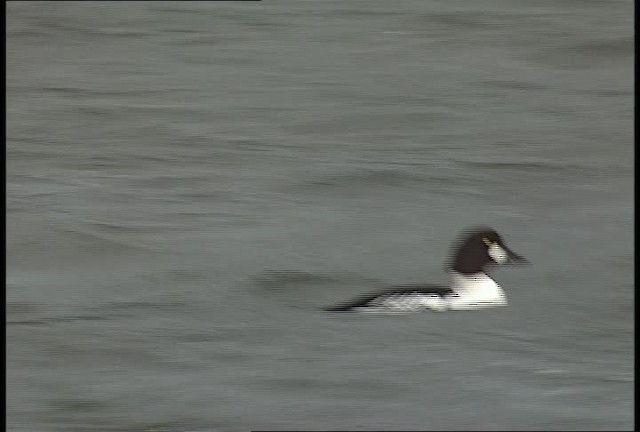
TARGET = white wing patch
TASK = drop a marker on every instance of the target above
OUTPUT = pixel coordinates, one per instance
(418, 302)
(406, 302)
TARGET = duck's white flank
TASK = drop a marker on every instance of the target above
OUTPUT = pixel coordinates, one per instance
(475, 291)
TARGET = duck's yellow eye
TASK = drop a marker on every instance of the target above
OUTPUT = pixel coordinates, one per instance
(487, 241)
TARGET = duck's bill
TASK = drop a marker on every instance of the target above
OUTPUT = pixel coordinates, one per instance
(514, 258)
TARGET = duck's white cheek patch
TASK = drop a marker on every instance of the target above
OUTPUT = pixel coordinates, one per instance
(498, 254)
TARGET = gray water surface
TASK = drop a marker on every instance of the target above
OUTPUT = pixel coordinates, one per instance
(189, 183)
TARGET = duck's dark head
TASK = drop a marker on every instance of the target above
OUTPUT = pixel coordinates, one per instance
(478, 247)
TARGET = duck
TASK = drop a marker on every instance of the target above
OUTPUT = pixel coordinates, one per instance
(470, 286)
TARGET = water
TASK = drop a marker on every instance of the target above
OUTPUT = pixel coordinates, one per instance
(189, 183)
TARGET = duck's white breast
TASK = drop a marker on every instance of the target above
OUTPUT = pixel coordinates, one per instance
(475, 291)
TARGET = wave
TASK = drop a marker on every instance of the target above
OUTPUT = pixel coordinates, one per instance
(307, 290)
(32, 238)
